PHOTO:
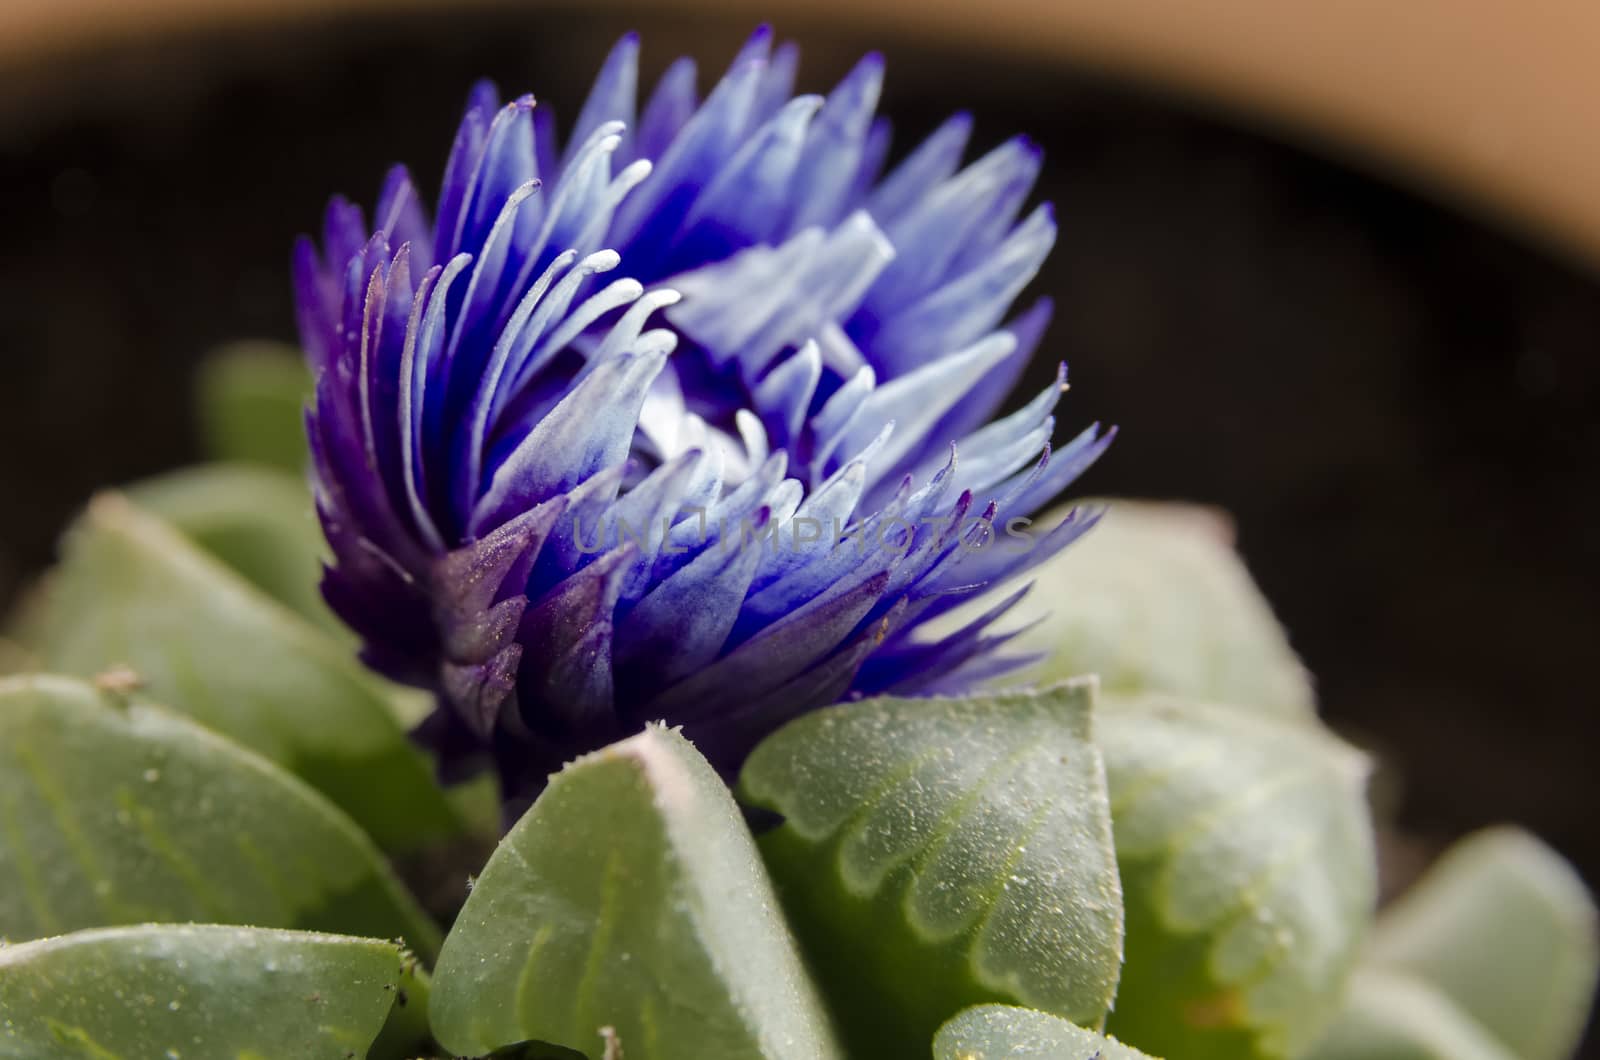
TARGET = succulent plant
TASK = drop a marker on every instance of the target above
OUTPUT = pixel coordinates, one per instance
(675, 689)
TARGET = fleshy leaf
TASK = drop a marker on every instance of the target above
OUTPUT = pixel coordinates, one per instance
(132, 592)
(257, 520)
(251, 398)
(1155, 599)
(175, 991)
(1503, 927)
(1247, 860)
(114, 812)
(406, 1035)
(1003, 1032)
(939, 853)
(631, 897)
(1387, 1016)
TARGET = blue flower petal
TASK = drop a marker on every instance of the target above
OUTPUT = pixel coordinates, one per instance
(687, 420)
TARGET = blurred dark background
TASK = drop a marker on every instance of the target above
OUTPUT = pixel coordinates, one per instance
(1397, 400)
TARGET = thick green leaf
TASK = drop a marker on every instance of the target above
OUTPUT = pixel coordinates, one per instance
(118, 813)
(1155, 599)
(1247, 861)
(631, 897)
(1002, 1032)
(131, 591)
(257, 520)
(251, 398)
(938, 853)
(406, 1035)
(1394, 1017)
(260, 523)
(194, 992)
(1504, 927)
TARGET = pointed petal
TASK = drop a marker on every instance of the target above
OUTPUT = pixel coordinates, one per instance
(611, 99)
(681, 624)
(671, 105)
(589, 430)
(826, 176)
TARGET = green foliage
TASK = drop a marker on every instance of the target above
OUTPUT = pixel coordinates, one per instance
(1001, 1032)
(132, 592)
(932, 854)
(938, 853)
(199, 992)
(258, 521)
(1155, 599)
(1504, 928)
(250, 400)
(406, 1035)
(1395, 1017)
(1246, 856)
(117, 813)
(630, 897)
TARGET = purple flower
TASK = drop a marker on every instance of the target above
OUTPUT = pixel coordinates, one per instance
(722, 491)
